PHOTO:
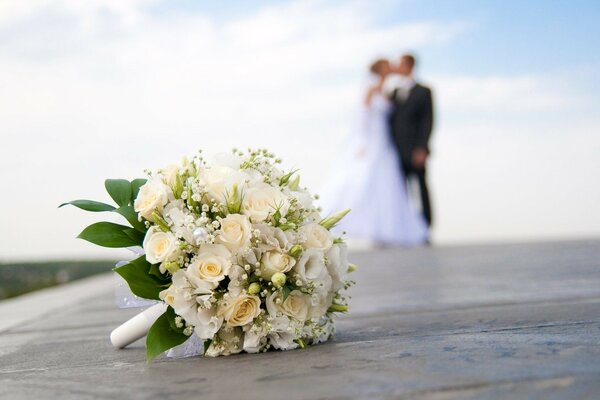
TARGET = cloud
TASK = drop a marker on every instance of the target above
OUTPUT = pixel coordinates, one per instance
(100, 89)
(510, 93)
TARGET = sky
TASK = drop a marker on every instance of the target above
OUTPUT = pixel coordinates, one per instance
(103, 89)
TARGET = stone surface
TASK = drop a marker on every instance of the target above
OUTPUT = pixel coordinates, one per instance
(497, 321)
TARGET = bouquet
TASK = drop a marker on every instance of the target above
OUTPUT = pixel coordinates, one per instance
(235, 252)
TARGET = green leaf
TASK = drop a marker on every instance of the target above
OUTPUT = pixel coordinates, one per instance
(119, 190)
(89, 205)
(154, 270)
(286, 292)
(207, 344)
(136, 236)
(132, 217)
(172, 323)
(162, 337)
(107, 234)
(136, 184)
(140, 281)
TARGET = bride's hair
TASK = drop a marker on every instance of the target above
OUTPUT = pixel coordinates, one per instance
(378, 66)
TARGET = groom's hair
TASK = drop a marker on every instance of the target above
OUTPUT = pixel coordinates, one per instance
(409, 59)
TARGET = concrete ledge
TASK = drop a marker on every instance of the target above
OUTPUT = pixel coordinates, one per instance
(490, 321)
(32, 306)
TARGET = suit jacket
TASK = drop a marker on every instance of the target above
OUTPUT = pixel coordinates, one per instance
(411, 121)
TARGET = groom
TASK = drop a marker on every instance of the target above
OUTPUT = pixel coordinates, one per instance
(411, 122)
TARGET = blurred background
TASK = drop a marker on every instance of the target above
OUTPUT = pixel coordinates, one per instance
(97, 89)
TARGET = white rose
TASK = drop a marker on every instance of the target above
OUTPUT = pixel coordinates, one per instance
(219, 180)
(210, 265)
(160, 246)
(315, 236)
(241, 310)
(311, 267)
(235, 232)
(338, 264)
(275, 261)
(296, 305)
(261, 201)
(153, 195)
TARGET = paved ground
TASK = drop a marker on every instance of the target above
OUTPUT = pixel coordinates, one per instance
(505, 321)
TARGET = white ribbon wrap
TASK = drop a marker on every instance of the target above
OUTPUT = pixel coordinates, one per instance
(137, 327)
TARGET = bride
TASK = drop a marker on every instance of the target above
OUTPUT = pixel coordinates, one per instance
(368, 178)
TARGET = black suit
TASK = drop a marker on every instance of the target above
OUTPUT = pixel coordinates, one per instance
(411, 122)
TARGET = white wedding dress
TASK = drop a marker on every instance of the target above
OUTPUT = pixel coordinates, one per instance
(367, 178)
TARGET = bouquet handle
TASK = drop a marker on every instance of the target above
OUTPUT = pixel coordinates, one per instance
(137, 327)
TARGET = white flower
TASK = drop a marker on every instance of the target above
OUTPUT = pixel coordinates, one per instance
(219, 181)
(208, 323)
(311, 267)
(153, 195)
(338, 264)
(179, 296)
(315, 236)
(304, 199)
(296, 305)
(229, 341)
(181, 220)
(326, 328)
(281, 335)
(236, 280)
(272, 237)
(228, 160)
(320, 302)
(241, 310)
(210, 265)
(275, 261)
(235, 232)
(261, 201)
(169, 174)
(160, 246)
(252, 341)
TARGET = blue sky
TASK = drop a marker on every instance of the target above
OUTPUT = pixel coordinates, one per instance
(517, 36)
(508, 36)
(137, 84)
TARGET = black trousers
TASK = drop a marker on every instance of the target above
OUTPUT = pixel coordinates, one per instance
(419, 174)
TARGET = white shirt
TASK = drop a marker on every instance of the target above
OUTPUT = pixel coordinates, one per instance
(404, 84)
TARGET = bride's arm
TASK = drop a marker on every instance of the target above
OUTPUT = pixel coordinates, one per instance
(369, 96)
